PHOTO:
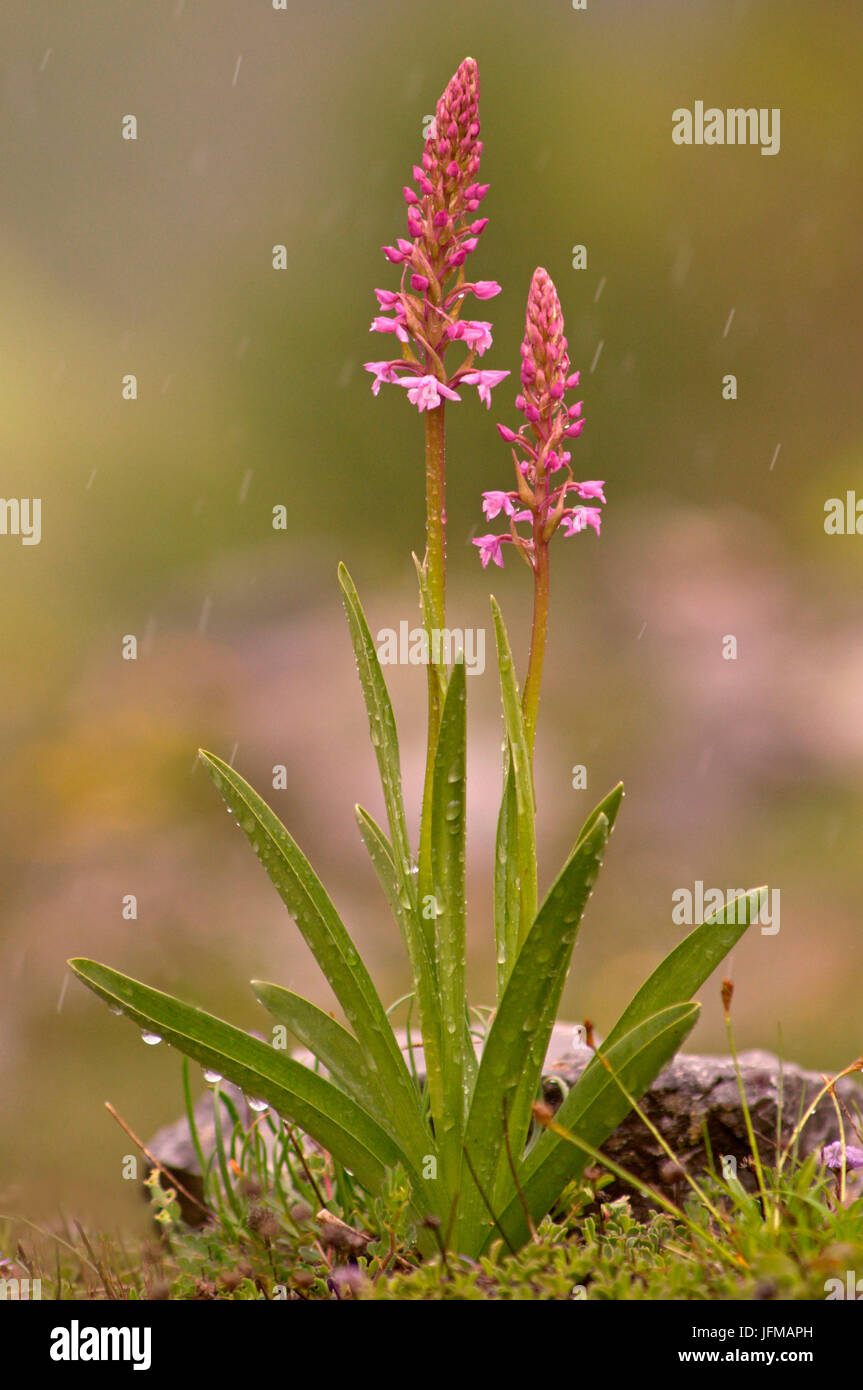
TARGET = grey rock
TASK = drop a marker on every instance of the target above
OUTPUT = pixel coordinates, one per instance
(691, 1094)
(695, 1093)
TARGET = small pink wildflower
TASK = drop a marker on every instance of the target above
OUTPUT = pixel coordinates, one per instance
(425, 391)
(383, 371)
(489, 549)
(476, 335)
(484, 383)
(493, 503)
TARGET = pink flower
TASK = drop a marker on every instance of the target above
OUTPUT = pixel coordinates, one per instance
(580, 517)
(396, 325)
(477, 335)
(489, 549)
(388, 299)
(425, 391)
(484, 383)
(484, 289)
(493, 503)
(587, 490)
(383, 371)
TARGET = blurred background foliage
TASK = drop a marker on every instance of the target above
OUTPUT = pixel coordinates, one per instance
(258, 127)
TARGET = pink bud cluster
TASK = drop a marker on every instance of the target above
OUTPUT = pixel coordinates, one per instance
(444, 230)
(538, 448)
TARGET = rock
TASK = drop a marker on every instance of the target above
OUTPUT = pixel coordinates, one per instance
(691, 1092)
(696, 1091)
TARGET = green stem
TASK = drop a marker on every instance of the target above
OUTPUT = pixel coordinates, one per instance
(530, 699)
(435, 565)
(436, 509)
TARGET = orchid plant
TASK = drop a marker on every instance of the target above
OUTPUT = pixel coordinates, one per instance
(478, 1164)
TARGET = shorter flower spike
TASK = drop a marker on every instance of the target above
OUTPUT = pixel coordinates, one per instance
(537, 447)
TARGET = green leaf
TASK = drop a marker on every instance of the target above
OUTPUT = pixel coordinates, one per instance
(422, 961)
(315, 1104)
(507, 900)
(520, 763)
(448, 879)
(328, 939)
(686, 968)
(382, 725)
(593, 1109)
(514, 1052)
(334, 1047)
(432, 623)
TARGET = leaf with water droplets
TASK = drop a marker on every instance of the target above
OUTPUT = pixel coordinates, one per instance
(422, 961)
(458, 1060)
(327, 937)
(511, 1065)
(382, 726)
(343, 1128)
(593, 1109)
(516, 832)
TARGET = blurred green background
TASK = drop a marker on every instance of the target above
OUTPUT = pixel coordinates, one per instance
(153, 257)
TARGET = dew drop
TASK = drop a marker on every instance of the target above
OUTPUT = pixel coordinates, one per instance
(113, 1009)
(151, 1038)
(212, 1076)
(255, 1104)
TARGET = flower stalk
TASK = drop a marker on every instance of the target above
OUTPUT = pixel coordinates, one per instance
(538, 453)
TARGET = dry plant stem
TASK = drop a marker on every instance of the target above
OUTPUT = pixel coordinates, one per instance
(666, 1147)
(804, 1120)
(840, 1122)
(735, 1259)
(769, 1212)
(155, 1162)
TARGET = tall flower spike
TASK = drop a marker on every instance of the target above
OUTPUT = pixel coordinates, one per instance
(444, 230)
(538, 451)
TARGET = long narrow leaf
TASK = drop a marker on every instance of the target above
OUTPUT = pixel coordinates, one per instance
(333, 1046)
(507, 899)
(593, 1110)
(327, 937)
(448, 878)
(315, 1104)
(422, 960)
(514, 1052)
(382, 724)
(520, 763)
(685, 969)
